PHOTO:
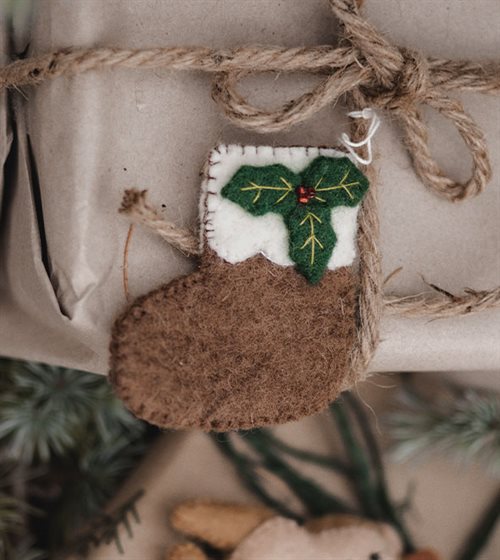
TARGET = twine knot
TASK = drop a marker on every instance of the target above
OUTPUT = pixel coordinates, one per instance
(409, 85)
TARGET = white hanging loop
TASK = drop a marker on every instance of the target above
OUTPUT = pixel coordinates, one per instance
(367, 114)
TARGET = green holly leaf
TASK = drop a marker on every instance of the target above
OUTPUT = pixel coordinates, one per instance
(311, 239)
(260, 190)
(304, 200)
(336, 181)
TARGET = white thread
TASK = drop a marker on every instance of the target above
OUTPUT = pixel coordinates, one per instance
(366, 114)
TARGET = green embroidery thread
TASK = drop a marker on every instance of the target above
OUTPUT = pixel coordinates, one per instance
(305, 201)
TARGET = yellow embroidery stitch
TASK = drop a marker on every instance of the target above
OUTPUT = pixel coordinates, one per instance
(259, 188)
(312, 239)
(342, 185)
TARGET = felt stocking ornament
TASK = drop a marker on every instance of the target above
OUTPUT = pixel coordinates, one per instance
(265, 330)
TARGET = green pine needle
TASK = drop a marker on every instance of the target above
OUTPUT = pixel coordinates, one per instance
(11, 518)
(72, 437)
(104, 529)
(99, 472)
(363, 487)
(324, 461)
(316, 499)
(464, 424)
(14, 543)
(247, 470)
(44, 411)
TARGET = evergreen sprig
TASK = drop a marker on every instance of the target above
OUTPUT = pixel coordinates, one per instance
(105, 528)
(93, 484)
(325, 461)
(11, 523)
(247, 471)
(14, 541)
(47, 411)
(363, 469)
(462, 422)
(317, 500)
(73, 440)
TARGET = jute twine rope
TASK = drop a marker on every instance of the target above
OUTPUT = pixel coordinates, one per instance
(366, 71)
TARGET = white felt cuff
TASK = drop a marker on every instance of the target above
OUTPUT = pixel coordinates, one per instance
(235, 235)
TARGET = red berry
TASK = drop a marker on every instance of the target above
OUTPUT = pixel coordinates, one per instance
(304, 194)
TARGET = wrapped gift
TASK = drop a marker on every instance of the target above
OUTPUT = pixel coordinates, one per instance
(80, 141)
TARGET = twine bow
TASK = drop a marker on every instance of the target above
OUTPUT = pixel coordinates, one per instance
(386, 77)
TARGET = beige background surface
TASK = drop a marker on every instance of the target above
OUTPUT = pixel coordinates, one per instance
(94, 135)
(447, 498)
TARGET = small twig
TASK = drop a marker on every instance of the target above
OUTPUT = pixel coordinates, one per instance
(125, 261)
(443, 304)
(449, 295)
(392, 275)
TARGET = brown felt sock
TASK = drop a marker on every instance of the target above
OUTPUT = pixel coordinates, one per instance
(236, 346)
